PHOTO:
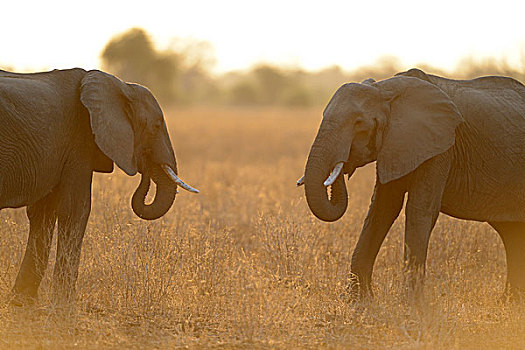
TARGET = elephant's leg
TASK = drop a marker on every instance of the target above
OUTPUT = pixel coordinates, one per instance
(384, 209)
(419, 225)
(513, 236)
(425, 192)
(73, 214)
(42, 218)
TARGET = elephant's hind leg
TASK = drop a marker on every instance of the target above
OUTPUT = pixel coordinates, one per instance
(42, 218)
(513, 236)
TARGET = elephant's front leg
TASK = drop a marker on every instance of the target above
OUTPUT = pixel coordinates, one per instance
(425, 191)
(73, 214)
(384, 209)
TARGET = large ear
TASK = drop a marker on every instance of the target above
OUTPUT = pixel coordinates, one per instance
(105, 97)
(422, 124)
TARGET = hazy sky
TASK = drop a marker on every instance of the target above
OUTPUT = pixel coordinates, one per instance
(310, 34)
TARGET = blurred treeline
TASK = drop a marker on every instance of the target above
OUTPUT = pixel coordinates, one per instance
(182, 74)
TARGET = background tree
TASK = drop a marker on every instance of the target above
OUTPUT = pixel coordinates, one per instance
(177, 74)
(182, 74)
(132, 57)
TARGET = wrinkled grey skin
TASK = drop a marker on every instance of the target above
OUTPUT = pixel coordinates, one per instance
(57, 128)
(455, 146)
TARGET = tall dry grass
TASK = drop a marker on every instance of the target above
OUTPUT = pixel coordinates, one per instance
(245, 264)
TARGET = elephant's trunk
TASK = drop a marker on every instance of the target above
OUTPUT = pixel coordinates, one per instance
(317, 170)
(164, 196)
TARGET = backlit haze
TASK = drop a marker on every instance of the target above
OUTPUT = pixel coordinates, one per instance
(309, 34)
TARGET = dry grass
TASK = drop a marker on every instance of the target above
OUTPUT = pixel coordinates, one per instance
(245, 264)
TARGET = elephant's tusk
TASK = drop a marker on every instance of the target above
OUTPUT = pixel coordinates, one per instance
(335, 173)
(300, 182)
(167, 169)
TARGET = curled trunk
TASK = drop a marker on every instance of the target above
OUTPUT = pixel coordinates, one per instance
(164, 196)
(323, 206)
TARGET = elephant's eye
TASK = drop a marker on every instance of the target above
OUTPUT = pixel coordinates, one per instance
(360, 125)
(156, 125)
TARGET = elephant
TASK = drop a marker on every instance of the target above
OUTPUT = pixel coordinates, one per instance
(59, 127)
(451, 146)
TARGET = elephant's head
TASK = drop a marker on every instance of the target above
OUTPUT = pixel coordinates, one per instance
(129, 128)
(399, 122)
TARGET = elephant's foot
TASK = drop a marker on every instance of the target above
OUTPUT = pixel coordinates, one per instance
(514, 294)
(22, 299)
(515, 286)
(63, 292)
(414, 279)
(356, 290)
(25, 292)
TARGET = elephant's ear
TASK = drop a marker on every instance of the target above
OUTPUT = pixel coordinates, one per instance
(422, 124)
(105, 97)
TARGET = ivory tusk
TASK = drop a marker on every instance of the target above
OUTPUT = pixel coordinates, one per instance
(335, 173)
(167, 169)
(300, 182)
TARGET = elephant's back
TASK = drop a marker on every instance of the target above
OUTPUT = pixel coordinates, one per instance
(34, 115)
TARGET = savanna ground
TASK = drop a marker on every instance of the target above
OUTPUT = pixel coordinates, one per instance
(245, 264)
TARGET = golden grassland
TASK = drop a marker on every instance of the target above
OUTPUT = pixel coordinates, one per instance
(245, 264)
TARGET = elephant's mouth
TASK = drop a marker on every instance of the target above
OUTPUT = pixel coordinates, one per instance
(349, 169)
(341, 168)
